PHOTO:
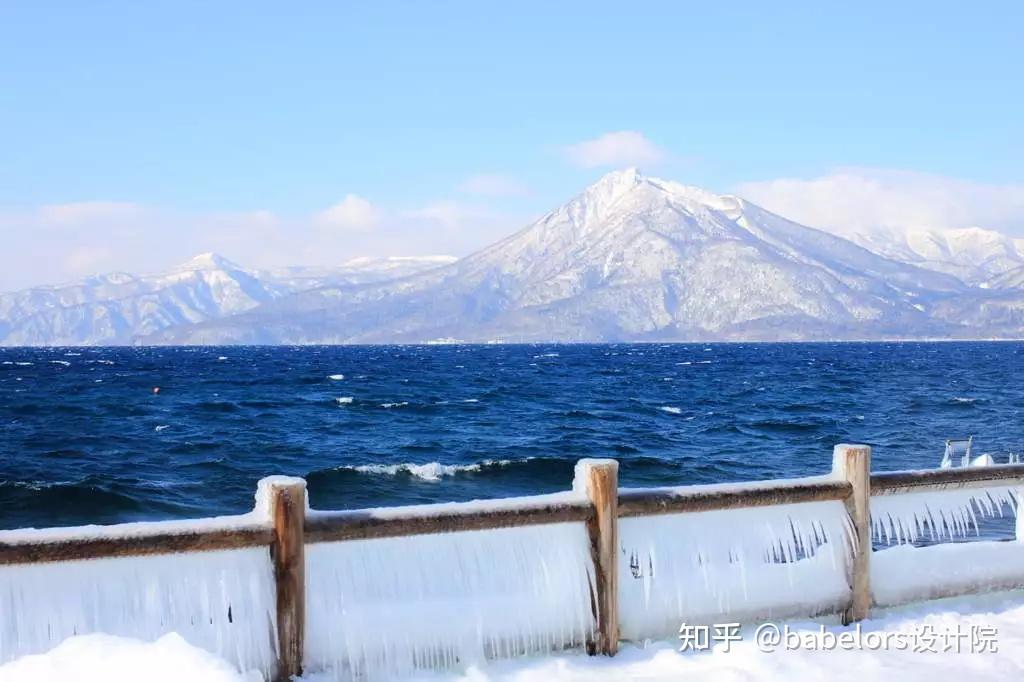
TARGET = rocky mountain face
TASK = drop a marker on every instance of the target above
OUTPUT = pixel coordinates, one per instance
(630, 258)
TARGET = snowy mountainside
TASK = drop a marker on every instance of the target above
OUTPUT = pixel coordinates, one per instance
(633, 258)
(116, 307)
(975, 255)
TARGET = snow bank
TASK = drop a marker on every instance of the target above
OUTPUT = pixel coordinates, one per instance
(744, 662)
(391, 606)
(105, 658)
(907, 573)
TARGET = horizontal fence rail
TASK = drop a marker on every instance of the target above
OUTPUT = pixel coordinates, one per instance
(362, 524)
(151, 541)
(283, 523)
(716, 498)
(896, 482)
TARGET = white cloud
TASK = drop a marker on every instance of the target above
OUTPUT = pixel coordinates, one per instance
(351, 213)
(622, 148)
(80, 212)
(493, 185)
(859, 200)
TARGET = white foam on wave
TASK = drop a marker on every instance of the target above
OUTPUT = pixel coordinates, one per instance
(344, 400)
(161, 427)
(670, 409)
(430, 471)
(60, 362)
(336, 377)
(390, 405)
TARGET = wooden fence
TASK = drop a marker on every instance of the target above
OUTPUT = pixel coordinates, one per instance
(289, 527)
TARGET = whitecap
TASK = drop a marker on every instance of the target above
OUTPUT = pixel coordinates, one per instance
(390, 405)
(221, 358)
(430, 471)
(161, 427)
(336, 377)
(670, 409)
(60, 362)
(344, 400)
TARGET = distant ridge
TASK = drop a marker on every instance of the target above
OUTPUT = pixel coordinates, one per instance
(631, 258)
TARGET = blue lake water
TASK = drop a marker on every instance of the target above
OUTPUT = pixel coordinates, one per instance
(84, 439)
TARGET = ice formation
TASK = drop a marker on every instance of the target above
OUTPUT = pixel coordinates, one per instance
(738, 563)
(220, 601)
(385, 607)
(937, 515)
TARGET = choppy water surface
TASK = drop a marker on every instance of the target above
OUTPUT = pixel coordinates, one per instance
(84, 439)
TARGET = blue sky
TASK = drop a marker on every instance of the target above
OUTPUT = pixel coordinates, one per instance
(178, 114)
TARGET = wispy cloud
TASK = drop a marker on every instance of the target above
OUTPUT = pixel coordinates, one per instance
(621, 148)
(87, 211)
(493, 185)
(852, 200)
(63, 242)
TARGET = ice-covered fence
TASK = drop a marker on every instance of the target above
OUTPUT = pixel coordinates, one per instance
(921, 521)
(213, 581)
(384, 591)
(221, 601)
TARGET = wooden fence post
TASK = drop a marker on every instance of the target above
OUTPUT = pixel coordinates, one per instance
(853, 463)
(599, 478)
(283, 498)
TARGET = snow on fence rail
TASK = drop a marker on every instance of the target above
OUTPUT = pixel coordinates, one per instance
(395, 589)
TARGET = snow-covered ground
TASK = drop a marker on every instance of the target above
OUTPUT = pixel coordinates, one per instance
(988, 621)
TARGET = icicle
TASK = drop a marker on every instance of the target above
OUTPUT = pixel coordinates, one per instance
(219, 601)
(387, 607)
(740, 563)
(937, 516)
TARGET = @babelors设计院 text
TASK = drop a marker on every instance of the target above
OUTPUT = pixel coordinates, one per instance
(770, 637)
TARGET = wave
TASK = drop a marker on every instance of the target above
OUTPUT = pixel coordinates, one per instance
(344, 400)
(670, 409)
(336, 377)
(430, 471)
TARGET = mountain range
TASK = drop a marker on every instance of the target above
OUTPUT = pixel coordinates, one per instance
(630, 258)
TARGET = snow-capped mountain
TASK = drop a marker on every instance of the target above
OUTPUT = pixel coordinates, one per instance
(631, 257)
(117, 307)
(975, 255)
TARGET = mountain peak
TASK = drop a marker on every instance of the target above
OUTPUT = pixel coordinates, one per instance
(616, 182)
(208, 261)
